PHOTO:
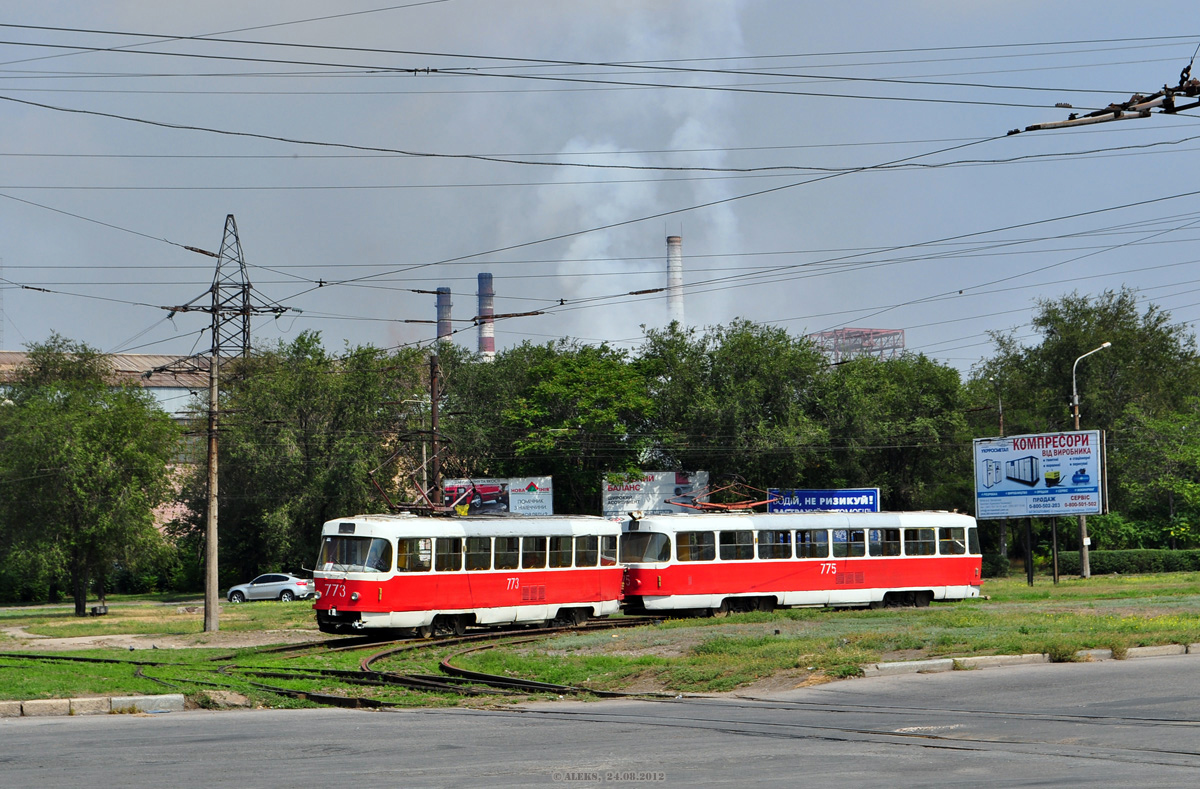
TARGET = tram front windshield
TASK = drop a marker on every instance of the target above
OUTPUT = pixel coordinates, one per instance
(355, 555)
(645, 547)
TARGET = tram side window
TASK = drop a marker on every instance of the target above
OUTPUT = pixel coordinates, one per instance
(587, 551)
(952, 540)
(774, 544)
(883, 542)
(608, 550)
(973, 541)
(414, 554)
(737, 545)
(849, 542)
(645, 546)
(696, 546)
(812, 544)
(533, 553)
(919, 542)
(479, 553)
(448, 554)
(508, 552)
(560, 551)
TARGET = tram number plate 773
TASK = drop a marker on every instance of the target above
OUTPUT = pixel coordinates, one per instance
(828, 568)
(335, 590)
(514, 583)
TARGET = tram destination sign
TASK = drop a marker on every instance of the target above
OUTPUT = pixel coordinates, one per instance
(1040, 475)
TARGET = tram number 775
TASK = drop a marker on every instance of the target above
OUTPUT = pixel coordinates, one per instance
(828, 568)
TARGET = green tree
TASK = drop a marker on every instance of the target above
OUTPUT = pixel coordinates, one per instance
(302, 432)
(83, 464)
(579, 416)
(898, 424)
(1137, 388)
(734, 400)
(1156, 461)
(1152, 363)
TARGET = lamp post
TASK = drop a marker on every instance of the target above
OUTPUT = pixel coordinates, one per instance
(1085, 567)
(1003, 521)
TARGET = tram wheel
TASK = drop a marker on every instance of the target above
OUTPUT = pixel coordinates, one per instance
(449, 625)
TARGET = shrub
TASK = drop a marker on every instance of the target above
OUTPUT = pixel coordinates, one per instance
(1142, 560)
(996, 565)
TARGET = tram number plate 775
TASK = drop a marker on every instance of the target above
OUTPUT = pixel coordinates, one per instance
(828, 568)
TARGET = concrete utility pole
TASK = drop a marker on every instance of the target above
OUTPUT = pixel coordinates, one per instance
(435, 484)
(230, 338)
(1085, 565)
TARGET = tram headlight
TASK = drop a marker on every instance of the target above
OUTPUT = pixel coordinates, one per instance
(354, 597)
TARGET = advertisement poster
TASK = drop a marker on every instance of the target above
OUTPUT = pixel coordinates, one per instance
(1041, 475)
(524, 495)
(531, 496)
(836, 499)
(649, 492)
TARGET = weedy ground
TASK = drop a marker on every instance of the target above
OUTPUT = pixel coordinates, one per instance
(784, 648)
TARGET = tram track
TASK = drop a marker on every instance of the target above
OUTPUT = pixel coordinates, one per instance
(455, 680)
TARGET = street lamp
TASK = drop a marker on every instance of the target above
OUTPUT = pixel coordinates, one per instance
(1000, 404)
(1074, 390)
(1003, 521)
(1085, 566)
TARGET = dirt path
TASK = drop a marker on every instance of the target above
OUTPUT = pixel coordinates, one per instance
(19, 640)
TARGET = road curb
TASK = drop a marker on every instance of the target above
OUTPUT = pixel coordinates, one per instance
(100, 705)
(894, 668)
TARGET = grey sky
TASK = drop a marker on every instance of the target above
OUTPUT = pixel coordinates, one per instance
(845, 87)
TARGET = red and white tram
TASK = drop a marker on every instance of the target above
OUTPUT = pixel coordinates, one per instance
(718, 563)
(444, 574)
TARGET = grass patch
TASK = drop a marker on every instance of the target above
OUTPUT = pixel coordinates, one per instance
(151, 618)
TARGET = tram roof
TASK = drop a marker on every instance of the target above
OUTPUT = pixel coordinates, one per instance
(801, 520)
(407, 525)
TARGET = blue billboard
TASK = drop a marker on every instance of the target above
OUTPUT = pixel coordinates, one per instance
(836, 499)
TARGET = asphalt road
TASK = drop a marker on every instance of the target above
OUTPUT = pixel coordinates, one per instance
(1115, 723)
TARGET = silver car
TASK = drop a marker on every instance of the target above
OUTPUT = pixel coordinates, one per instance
(272, 586)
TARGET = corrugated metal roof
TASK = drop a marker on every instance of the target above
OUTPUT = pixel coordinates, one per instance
(191, 374)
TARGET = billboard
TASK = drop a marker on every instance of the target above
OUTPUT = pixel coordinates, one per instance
(838, 499)
(524, 495)
(1040, 475)
(649, 491)
(531, 495)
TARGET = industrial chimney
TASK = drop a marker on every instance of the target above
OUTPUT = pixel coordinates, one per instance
(675, 280)
(444, 330)
(487, 323)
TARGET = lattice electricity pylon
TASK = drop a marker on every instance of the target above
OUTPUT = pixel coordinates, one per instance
(230, 297)
(233, 301)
